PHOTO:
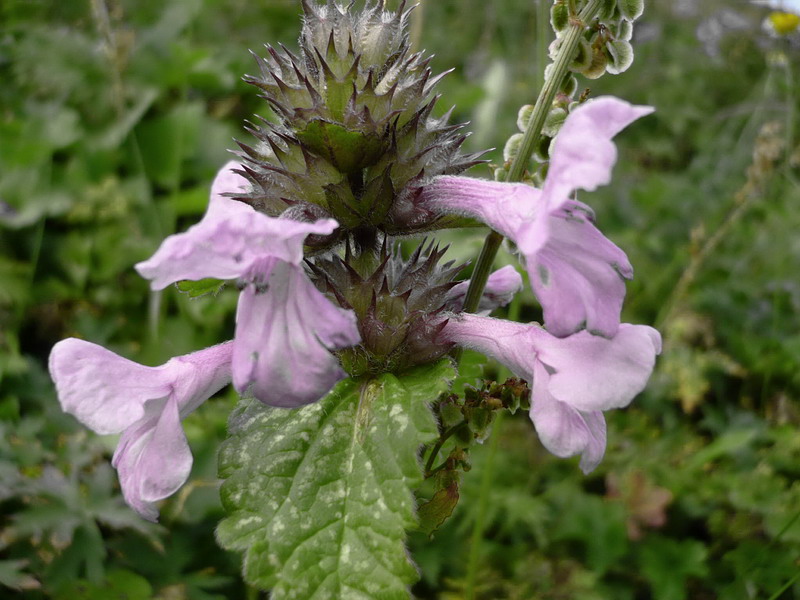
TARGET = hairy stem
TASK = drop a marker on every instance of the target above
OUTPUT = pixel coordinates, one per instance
(542, 107)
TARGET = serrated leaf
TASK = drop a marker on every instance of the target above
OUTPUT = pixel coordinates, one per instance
(13, 575)
(203, 287)
(319, 497)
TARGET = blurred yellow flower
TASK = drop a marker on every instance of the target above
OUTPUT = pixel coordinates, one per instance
(783, 23)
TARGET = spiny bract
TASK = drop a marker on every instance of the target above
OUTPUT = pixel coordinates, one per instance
(355, 137)
(398, 303)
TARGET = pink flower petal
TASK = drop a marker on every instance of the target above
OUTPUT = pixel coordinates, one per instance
(583, 153)
(153, 458)
(594, 373)
(229, 247)
(573, 378)
(508, 342)
(284, 338)
(101, 389)
(228, 181)
(111, 394)
(229, 242)
(512, 209)
(562, 429)
(579, 275)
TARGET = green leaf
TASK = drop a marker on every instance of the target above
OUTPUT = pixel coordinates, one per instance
(203, 287)
(667, 563)
(13, 575)
(319, 497)
(433, 513)
(118, 585)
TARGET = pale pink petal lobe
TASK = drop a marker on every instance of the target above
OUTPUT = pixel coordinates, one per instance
(583, 153)
(564, 430)
(228, 181)
(595, 373)
(284, 339)
(579, 275)
(229, 240)
(165, 461)
(101, 389)
(228, 247)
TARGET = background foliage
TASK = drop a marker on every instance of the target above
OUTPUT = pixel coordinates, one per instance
(114, 116)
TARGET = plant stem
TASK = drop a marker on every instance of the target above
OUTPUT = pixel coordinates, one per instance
(483, 505)
(445, 436)
(544, 102)
(785, 587)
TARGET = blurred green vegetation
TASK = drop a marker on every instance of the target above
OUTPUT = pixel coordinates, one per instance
(114, 116)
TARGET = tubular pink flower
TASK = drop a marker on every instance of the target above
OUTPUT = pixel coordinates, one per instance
(285, 328)
(110, 394)
(573, 379)
(577, 273)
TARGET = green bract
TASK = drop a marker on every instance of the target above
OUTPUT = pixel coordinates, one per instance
(355, 137)
(559, 16)
(631, 9)
(621, 54)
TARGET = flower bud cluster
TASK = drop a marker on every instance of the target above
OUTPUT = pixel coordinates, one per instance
(354, 136)
(603, 48)
(397, 303)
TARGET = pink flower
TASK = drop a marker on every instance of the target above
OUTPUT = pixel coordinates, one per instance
(577, 274)
(110, 394)
(573, 379)
(285, 328)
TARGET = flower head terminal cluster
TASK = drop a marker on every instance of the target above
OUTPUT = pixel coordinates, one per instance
(307, 221)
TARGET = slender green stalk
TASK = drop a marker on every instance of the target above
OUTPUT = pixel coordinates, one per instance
(417, 24)
(542, 107)
(785, 587)
(483, 505)
(429, 470)
(790, 111)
